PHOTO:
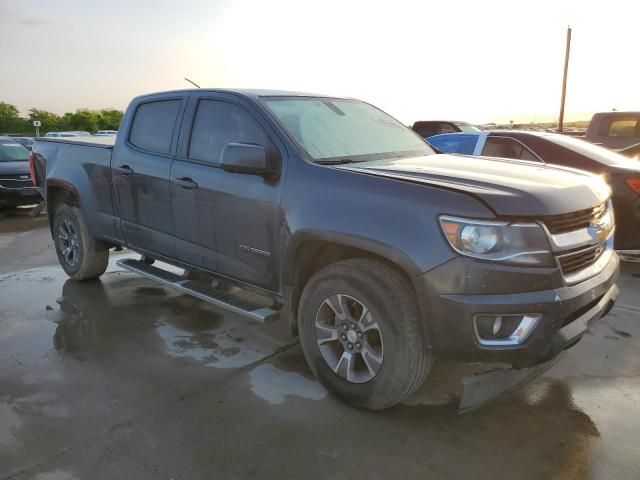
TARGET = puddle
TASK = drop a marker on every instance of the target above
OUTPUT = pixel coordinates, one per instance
(220, 348)
(41, 404)
(55, 475)
(9, 423)
(273, 385)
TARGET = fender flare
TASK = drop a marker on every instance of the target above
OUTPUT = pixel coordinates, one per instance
(380, 249)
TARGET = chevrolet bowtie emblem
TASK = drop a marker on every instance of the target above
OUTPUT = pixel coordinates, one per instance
(599, 229)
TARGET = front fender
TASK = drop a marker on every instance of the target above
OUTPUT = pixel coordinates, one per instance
(380, 249)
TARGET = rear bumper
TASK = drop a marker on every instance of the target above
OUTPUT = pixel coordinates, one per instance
(566, 311)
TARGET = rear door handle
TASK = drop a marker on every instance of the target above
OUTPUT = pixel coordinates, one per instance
(125, 170)
(186, 182)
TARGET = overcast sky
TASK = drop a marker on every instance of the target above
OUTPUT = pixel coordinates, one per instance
(469, 60)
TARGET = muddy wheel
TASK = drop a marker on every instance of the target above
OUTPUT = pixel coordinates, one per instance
(81, 256)
(361, 334)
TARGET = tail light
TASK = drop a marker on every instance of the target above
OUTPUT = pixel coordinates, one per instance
(32, 169)
(634, 183)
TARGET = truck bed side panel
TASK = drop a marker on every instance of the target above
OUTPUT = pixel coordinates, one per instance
(88, 170)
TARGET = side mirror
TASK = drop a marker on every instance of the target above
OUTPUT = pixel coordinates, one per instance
(245, 158)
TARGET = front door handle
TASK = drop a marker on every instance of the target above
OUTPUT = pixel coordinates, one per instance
(125, 170)
(186, 182)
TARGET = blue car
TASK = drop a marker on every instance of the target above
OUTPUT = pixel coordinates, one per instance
(504, 144)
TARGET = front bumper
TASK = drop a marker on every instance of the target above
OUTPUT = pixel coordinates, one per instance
(19, 196)
(452, 294)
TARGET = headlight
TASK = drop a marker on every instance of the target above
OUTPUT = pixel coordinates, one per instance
(515, 243)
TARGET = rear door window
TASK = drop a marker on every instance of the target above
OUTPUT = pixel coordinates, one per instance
(218, 123)
(153, 125)
(463, 144)
(503, 147)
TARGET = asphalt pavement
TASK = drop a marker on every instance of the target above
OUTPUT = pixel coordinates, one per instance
(124, 379)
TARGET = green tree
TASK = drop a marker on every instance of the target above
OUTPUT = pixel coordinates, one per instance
(10, 121)
(83, 119)
(109, 119)
(50, 121)
(66, 121)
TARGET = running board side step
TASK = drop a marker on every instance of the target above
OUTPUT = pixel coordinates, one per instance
(200, 290)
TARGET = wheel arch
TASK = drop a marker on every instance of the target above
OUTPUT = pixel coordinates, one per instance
(312, 251)
(60, 192)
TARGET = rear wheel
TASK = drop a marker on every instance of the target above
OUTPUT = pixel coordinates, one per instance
(359, 325)
(81, 256)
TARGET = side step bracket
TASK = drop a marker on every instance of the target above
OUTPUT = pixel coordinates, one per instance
(202, 291)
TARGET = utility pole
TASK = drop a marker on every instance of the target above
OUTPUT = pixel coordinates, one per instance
(564, 81)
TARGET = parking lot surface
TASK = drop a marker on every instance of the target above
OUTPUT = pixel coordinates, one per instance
(122, 378)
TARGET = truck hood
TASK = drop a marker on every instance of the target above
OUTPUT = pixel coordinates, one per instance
(14, 168)
(508, 187)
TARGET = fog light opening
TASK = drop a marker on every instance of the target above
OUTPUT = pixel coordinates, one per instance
(497, 325)
(504, 330)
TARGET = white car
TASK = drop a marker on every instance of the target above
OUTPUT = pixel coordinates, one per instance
(75, 133)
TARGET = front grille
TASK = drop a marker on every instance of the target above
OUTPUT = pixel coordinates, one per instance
(583, 258)
(569, 222)
(13, 181)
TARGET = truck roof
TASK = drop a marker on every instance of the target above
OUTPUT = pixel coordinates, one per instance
(245, 92)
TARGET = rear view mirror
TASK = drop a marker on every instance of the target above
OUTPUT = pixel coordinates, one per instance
(245, 158)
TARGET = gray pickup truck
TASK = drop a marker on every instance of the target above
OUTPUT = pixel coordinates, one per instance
(614, 130)
(382, 254)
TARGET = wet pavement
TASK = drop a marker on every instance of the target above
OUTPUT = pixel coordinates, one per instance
(122, 378)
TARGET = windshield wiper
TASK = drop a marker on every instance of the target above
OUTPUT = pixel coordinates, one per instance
(339, 161)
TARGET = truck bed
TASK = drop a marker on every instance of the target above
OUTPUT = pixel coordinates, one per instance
(101, 142)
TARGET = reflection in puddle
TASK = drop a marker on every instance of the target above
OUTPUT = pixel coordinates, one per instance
(9, 423)
(219, 348)
(55, 475)
(274, 385)
(97, 314)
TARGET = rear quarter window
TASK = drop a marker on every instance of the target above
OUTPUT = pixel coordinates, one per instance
(153, 125)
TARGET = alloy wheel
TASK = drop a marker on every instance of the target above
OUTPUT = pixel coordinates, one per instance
(69, 242)
(349, 338)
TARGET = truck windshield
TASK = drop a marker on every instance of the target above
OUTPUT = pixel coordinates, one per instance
(334, 130)
(11, 151)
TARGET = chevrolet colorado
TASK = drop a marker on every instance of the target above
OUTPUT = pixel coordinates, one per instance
(381, 254)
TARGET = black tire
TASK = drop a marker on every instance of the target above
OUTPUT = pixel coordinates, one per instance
(402, 345)
(88, 257)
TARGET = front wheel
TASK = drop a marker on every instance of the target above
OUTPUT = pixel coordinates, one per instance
(361, 334)
(81, 256)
